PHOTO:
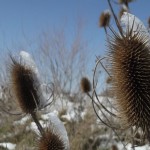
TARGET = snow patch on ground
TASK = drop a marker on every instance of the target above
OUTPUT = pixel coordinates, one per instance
(22, 121)
(9, 146)
(129, 147)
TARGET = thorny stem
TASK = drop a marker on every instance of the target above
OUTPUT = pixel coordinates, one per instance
(94, 86)
(109, 126)
(115, 2)
(105, 29)
(7, 111)
(40, 128)
(115, 17)
(132, 139)
(99, 61)
(10, 113)
(104, 106)
(93, 102)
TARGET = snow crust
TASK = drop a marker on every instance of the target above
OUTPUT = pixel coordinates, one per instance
(27, 60)
(21, 121)
(131, 22)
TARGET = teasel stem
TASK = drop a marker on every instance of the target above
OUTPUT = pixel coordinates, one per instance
(94, 103)
(94, 85)
(94, 93)
(8, 112)
(105, 29)
(133, 147)
(116, 19)
(40, 128)
(100, 105)
(99, 61)
(109, 126)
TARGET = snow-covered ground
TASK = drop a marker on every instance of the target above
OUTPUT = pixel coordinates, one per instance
(129, 147)
(9, 146)
(52, 116)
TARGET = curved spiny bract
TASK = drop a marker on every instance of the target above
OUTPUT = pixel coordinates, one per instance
(130, 69)
(51, 141)
(23, 86)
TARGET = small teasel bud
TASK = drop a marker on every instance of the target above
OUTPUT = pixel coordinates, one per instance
(104, 19)
(108, 80)
(85, 85)
(24, 82)
(50, 141)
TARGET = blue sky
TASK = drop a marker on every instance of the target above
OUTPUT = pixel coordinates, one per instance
(20, 19)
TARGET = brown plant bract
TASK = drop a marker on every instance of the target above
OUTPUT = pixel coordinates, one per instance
(23, 79)
(104, 19)
(130, 68)
(50, 141)
(85, 85)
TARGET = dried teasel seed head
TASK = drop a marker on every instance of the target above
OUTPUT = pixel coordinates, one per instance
(23, 85)
(51, 141)
(130, 69)
(104, 19)
(85, 85)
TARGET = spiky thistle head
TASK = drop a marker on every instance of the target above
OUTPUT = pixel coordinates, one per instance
(104, 19)
(23, 81)
(85, 85)
(51, 141)
(130, 69)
